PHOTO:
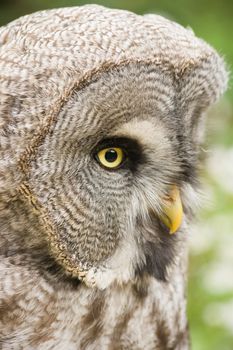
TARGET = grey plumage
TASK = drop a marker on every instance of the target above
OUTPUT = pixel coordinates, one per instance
(85, 261)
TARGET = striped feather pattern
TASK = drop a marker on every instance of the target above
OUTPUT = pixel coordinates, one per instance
(85, 262)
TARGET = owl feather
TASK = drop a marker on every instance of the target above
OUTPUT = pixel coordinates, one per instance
(101, 115)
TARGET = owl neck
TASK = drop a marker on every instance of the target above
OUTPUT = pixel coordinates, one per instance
(142, 314)
(137, 315)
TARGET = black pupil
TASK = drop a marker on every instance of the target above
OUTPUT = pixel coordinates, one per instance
(111, 155)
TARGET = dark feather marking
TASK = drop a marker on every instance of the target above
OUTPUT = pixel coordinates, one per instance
(120, 328)
(11, 314)
(44, 334)
(52, 272)
(43, 331)
(162, 331)
(140, 288)
(45, 265)
(159, 251)
(92, 322)
(163, 334)
(119, 340)
(182, 341)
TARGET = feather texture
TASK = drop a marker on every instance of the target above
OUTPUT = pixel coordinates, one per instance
(85, 262)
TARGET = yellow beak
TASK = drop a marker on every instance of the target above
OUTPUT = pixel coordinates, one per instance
(172, 210)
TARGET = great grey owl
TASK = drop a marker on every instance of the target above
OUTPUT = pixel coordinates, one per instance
(101, 115)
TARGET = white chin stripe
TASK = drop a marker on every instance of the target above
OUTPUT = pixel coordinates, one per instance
(119, 268)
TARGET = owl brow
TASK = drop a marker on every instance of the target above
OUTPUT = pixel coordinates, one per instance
(131, 146)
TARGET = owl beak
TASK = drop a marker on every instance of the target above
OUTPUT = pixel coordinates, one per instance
(172, 210)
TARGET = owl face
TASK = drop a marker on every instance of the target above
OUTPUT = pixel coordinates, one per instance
(118, 145)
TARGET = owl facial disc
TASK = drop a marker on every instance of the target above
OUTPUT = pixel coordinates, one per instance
(172, 210)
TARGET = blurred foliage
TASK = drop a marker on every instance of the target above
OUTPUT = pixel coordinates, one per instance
(211, 20)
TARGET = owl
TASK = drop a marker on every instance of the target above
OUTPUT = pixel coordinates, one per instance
(101, 115)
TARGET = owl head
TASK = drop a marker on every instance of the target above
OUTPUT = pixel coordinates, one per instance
(103, 117)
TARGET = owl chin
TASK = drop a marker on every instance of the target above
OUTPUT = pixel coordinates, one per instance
(131, 260)
(102, 278)
(146, 250)
(119, 268)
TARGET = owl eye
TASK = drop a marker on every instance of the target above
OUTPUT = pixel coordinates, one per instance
(111, 157)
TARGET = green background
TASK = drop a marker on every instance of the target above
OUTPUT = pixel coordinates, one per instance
(210, 287)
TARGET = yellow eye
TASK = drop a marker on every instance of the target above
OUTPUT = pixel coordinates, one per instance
(111, 157)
